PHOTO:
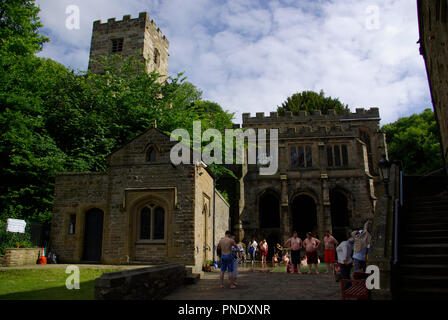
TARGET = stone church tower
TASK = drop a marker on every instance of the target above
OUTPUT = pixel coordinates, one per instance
(128, 38)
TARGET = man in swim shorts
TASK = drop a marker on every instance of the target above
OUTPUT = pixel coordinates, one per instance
(311, 245)
(226, 244)
(295, 244)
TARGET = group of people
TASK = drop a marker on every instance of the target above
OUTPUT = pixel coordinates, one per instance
(254, 248)
(351, 252)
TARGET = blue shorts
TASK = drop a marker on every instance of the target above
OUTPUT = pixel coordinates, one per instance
(227, 263)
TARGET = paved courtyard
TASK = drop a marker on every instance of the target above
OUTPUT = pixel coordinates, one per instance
(262, 285)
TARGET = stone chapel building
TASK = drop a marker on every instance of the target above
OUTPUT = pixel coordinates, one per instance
(145, 210)
(325, 179)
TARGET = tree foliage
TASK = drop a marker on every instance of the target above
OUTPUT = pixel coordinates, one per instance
(54, 120)
(414, 140)
(19, 27)
(310, 101)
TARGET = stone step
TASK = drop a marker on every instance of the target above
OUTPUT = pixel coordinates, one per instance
(427, 226)
(411, 258)
(436, 196)
(424, 233)
(427, 200)
(427, 219)
(422, 294)
(417, 213)
(423, 281)
(428, 248)
(427, 269)
(426, 239)
(192, 279)
(440, 208)
(188, 270)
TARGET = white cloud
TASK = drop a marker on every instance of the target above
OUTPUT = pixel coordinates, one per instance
(250, 55)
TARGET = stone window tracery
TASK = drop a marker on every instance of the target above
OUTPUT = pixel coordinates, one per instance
(152, 222)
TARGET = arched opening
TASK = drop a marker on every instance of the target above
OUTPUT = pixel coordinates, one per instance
(269, 210)
(151, 154)
(272, 240)
(156, 57)
(304, 215)
(151, 223)
(93, 235)
(340, 217)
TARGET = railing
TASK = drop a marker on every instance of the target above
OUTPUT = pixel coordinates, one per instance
(431, 173)
(398, 204)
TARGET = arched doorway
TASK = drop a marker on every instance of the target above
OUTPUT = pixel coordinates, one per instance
(93, 235)
(269, 218)
(340, 217)
(269, 209)
(304, 215)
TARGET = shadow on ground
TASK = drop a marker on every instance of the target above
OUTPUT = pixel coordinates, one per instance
(262, 285)
(86, 292)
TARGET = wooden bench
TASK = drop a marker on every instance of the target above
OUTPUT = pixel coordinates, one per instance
(358, 289)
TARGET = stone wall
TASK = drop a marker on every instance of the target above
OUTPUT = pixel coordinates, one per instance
(151, 283)
(75, 194)
(16, 257)
(221, 218)
(433, 26)
(130, 184)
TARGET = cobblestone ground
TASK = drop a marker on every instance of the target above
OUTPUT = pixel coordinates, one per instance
(255, 284)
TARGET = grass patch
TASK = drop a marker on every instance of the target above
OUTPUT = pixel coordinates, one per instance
(47, 284)
(321, 266)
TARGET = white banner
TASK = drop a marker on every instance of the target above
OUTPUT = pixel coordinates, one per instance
(14, 225)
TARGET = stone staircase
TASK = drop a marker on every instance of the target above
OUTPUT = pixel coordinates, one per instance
(422, 272)
(190, 277)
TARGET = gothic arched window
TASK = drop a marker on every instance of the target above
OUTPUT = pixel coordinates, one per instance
(152, 222)
(151, 155)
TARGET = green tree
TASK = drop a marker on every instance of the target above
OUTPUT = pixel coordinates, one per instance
(54, 120)
(19, 28)
(310, 101)
(414, 140)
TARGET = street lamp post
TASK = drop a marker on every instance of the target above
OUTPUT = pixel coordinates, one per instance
(384, 166)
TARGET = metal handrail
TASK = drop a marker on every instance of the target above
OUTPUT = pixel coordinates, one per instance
(433, 172)
(398, 204)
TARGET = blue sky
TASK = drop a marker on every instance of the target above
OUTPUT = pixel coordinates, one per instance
(250, 55)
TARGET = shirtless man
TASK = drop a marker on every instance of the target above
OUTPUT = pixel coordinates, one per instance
(295, 243)
(226, 244)
(330, 250)
(311, 245)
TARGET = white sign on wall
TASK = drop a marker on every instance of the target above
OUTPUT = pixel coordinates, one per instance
(15, 225)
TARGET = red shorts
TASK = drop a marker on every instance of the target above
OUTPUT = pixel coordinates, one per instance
(312, 258)
(264, 253)
(330, 256)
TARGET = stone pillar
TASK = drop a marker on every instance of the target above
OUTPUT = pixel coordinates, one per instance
(282, 154)
(239, 229)
(327, 223)
(285, 226)
(381, 252)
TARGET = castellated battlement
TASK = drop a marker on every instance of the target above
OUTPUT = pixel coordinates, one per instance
(128, 37)
(143, 21)
(303, 116)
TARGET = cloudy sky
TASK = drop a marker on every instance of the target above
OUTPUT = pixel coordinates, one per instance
(250, 55)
